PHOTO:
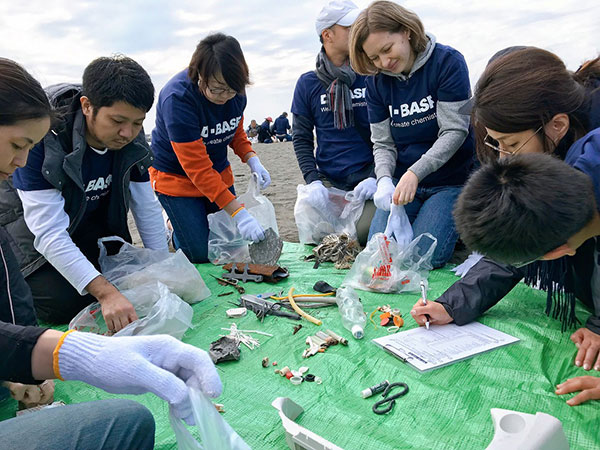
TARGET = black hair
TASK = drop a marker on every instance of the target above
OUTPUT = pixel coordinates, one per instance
(21, 95)
(220, 55)
(117, 78)
(518, 209)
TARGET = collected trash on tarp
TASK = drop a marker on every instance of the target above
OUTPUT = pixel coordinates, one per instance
(340, 249)
(159, 311)
(269, 274)
(383, 267)
(225, 348)
(134, 266)
(321, 341)
(338, 216)
(225, 243)
(268, 250)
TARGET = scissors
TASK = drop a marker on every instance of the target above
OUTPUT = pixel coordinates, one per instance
(391, 399)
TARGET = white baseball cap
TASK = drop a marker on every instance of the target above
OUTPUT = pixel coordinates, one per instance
(337, 12)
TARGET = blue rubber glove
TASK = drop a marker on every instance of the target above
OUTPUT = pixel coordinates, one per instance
(318, 196)
(264, 179)
(384, 193)
(365, 189)
(399, 226)
(249, 227)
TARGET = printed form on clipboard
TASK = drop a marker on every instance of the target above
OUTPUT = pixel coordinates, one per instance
(442, 345)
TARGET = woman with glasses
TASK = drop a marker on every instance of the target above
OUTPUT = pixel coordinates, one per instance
(423, 146)
(526, 101)
(198, 115)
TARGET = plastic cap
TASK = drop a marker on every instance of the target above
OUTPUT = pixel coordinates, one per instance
(296, 380)
(357, 331)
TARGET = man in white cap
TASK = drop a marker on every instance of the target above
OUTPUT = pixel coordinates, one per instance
(331, 100)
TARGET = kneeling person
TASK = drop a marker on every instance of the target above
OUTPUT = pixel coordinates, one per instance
(78, 186)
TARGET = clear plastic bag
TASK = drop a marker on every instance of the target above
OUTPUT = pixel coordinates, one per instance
(339, 215)
(384, 267)
(215, 433)
(159, 312)
(225, 243)
(134, 266)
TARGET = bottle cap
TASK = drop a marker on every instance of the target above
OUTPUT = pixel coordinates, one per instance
(357, 331)
(296, 380)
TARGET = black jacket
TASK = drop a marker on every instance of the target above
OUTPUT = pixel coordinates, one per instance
(64, 148)
(488, 282)
(18, 333)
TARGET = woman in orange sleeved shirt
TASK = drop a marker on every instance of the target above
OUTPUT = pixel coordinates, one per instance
(199, 114)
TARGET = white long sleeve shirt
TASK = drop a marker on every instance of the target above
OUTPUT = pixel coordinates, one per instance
(45, 216)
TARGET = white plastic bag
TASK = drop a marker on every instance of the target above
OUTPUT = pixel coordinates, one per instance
(398, 226)
(133, 266)
(225, 243)
(340, 215)
(215, 433)
(384, 267)
(159, 312)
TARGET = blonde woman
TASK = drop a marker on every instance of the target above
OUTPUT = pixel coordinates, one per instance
(423, 146)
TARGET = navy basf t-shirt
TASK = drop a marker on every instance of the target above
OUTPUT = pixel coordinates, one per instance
(96, 173)
(411, 105)
(339, 152)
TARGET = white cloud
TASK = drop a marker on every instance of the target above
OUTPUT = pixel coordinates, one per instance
(56, 40)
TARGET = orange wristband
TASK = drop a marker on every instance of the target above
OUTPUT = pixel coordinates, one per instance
(237, 211)
(55, 355)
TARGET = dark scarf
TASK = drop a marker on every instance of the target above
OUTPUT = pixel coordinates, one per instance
(556, 279)
(337, 82)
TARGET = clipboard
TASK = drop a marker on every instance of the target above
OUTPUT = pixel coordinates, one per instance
(443, 345)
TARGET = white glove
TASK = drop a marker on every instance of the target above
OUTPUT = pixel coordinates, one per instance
(249, 227)
(31, 394)
(138, 364)
(384, 193)
(318, 196)
(462, 269)
(399, 226)
(264, 179)
(365, 189)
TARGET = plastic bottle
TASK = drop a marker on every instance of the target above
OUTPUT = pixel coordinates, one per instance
(351, 310)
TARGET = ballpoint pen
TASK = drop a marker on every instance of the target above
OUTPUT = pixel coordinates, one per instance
(424, 297)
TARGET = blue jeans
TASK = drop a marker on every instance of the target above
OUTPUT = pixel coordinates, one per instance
(119, 424)
(188, 217)
(430, 212)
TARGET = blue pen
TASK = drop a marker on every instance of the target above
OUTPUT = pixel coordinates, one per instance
(424, 297)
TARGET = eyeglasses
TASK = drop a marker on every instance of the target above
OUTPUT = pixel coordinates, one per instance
(495, 145)
(217, 91)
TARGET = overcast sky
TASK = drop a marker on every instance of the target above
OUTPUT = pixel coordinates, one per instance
(55, 40)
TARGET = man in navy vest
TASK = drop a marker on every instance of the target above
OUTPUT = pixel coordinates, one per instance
(331, 101)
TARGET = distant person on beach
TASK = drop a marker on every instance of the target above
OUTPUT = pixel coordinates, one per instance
(252, 131)
(331, 101)
(78, 185)
(30, 354)
(423, 146)
(265, 134)
(199, 114)
(281, 128)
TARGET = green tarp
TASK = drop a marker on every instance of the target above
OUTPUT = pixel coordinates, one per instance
(448, 408)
